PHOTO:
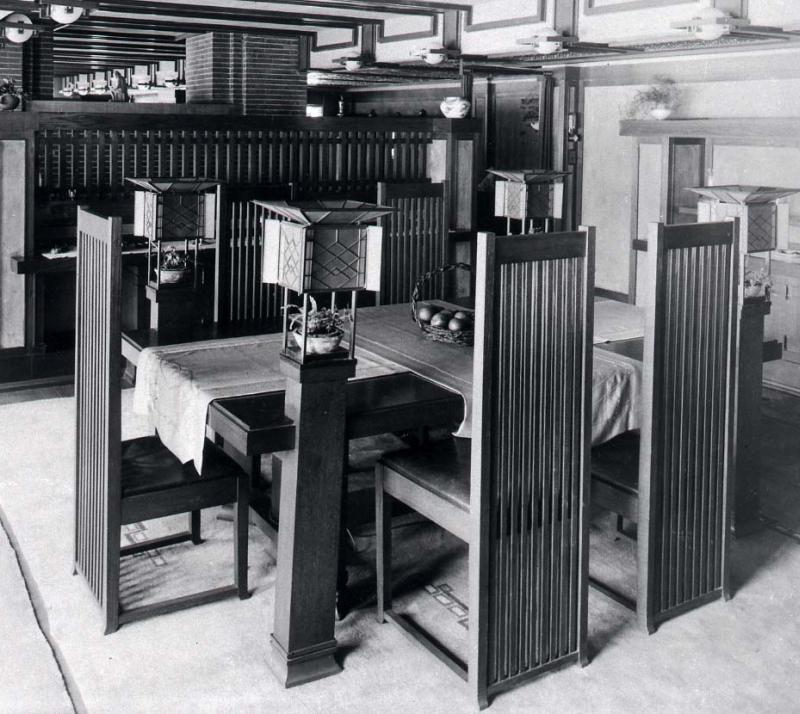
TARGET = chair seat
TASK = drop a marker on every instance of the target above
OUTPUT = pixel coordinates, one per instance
(616, 462)
(148, 466)
(441, 467)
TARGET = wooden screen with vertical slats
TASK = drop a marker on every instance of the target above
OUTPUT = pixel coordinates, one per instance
(414, 239)
(97, 397)
(94, 154)
(687, 443)
(533, 374)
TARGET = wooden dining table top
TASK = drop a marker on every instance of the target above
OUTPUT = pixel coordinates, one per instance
(437, 374)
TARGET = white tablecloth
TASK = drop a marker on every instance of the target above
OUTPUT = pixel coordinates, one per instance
(175, 384)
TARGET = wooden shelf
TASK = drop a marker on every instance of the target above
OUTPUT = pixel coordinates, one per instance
(755, 131)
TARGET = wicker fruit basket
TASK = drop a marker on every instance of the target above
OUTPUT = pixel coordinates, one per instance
(442, 333)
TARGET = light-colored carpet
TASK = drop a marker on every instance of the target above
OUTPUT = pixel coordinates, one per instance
(743, 655)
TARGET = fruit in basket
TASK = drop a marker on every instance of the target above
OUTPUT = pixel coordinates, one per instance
(457, 324)
(441, 319)
(426, 312)
(463, 315)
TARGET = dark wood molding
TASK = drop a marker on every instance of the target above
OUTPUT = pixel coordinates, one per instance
(352, 42)
(383, 38)
(591, 8)
(538, 16)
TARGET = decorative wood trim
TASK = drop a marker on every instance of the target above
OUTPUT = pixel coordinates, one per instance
(590, 8)
(383, 38)
(353, 42)
(539, 16)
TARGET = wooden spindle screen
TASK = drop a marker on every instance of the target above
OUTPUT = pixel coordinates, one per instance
(534, 453)
(692, 378)
(97, 395)
(92, 159)
(414, 239)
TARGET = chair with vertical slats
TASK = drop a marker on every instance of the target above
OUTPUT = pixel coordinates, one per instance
(517, 492)
(675, 480)
(118, 482)
(415, 238)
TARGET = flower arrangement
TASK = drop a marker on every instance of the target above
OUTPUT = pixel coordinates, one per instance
(319, 320)
(173, 259)
(10, 94)
(659, 100)
(756, 283)
(324, 326)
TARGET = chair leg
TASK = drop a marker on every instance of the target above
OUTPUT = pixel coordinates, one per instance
(194, 527)
(383, 545)
(241, 522)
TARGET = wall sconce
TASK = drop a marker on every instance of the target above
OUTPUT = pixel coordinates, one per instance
(321, 246)
(710, 23)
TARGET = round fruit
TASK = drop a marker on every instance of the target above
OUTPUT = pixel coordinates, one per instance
(440, 319)
(457, 324)
(462, 315)
(425, 313)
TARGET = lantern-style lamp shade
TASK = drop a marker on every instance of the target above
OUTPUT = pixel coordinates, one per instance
(763, 212)
(523, 194)
(322, 245)
(174, 208)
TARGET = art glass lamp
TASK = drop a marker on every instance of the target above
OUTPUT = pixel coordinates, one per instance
(527, 194)
(762, 210)
(169, 211)
(321, 247)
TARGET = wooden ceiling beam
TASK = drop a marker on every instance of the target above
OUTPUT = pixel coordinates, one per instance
(174, 27)
(167, 9)
(403, 7)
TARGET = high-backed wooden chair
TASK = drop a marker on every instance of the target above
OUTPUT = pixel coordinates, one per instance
(518, 493)
(415, 238)
(125, 482)
(675, 480)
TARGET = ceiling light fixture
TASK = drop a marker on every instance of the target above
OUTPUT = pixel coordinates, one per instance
(546, 42)
(433, 54)
(18, 28)
(65, 14)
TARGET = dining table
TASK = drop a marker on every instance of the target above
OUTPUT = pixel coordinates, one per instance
(232, 391)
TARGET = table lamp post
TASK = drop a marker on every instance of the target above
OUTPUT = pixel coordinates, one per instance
(763, 214)
(527, 194)
(175, 215)
(319, 246)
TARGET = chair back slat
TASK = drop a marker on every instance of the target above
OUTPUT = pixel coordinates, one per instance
(529, 488)
(688, 420)
(97, 396)
(414, 239)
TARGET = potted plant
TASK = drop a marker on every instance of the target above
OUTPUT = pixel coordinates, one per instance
(10, 95)
(756, 283)
(174, 266)
(323, 326)
(658, 101)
